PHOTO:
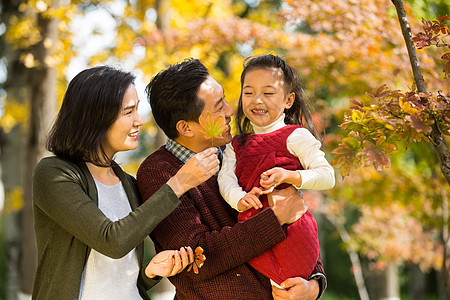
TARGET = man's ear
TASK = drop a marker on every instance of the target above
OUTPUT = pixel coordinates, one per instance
(184, 128)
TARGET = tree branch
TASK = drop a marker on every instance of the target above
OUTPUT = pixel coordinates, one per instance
(406, 31)
(436, 135)
(353, 254)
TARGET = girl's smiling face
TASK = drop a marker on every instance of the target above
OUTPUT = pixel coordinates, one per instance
(264, 97)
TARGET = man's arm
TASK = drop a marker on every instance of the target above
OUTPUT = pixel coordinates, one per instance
(318, 274)
(301, 289)
(210, 223)
(296, 288)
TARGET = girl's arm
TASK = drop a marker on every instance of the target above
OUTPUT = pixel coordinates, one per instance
(318, 174)
(228, 181)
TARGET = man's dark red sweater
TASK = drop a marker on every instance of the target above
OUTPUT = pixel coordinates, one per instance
(205, 219)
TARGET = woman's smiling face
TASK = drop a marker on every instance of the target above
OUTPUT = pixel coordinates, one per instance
(122, 135)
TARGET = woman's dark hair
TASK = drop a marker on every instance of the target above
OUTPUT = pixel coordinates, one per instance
(172, 95)
(92, 103)
(297, 114)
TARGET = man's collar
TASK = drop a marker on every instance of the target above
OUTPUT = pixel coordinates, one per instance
(183, 153)
(179, 151)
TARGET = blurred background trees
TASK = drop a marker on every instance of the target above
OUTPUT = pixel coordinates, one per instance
(382, 232)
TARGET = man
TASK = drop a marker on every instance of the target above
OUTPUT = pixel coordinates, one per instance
(178, 96)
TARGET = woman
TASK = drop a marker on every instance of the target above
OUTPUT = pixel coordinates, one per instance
(88, 222)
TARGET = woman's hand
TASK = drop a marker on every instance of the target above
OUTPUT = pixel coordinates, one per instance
(296, 288)
(195, 171)
(169, 262)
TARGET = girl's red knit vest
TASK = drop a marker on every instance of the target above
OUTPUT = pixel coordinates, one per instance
(261, 152)
(298, 253)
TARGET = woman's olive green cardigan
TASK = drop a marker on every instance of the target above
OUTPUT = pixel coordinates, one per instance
(68, 224)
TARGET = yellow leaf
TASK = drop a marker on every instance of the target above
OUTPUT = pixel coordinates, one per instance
(356, 115)
(14, 113)
(212, 127)
(406, 106)
(14, 201)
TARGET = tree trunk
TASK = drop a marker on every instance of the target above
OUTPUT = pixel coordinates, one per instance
(417, 284)
(446, 239)
(13, 154)
(392, 290)
(435, 137)
(162, 8)
(42, 112)
(383, 284)
(354, 258)
(11, 160)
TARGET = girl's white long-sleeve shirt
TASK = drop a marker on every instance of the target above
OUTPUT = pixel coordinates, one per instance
(318, 174)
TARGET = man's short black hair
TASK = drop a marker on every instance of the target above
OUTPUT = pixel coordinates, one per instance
(172, 94)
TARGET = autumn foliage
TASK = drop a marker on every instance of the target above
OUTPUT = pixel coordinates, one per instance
(352, 60)
(375, 129)
(435, 33)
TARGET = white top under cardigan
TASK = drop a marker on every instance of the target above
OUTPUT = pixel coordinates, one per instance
(318, 174)
(104, 277)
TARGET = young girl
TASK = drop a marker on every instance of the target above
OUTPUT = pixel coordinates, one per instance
(90, 221)
(271, 151)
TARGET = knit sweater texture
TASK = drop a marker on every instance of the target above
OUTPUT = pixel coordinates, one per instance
(205, 219)
(68, 223)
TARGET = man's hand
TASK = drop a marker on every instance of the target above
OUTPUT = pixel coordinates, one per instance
(296, 288)
(287, 205)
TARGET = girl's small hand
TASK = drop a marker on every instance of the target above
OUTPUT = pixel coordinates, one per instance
(272, 178)
(250, 200)
(195, 171)
(169, 262)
